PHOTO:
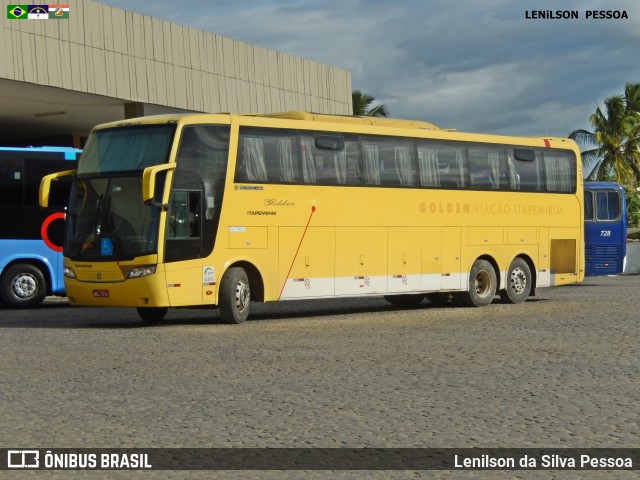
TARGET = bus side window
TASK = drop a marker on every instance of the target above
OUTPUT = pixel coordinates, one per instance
(184, 215)
(451, 168)
(588, 206)
(607, 205)
(327, 169)
(267, 156)
(326, 166)
(12, 182)
(526, 172)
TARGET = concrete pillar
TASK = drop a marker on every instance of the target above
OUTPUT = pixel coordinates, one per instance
(133, 110)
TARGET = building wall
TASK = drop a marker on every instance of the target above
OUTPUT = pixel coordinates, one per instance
(107, 51)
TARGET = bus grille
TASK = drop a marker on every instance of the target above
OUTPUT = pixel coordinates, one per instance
(100, 276)
(607, 257)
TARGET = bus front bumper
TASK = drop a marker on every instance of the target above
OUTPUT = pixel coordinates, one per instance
(139, 292)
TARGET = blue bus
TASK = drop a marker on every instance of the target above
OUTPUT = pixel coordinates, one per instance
(605, 228)
(31, 238)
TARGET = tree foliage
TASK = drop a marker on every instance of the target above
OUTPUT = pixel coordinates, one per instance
(362, 105)
(633, 207)
(612, 148)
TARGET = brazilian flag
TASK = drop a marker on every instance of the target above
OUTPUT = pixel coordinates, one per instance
(17, 12)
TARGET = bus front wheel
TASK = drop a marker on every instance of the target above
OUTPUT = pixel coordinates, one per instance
(518, 285)
(23, 286)
(482, 285)
(152, 314)
(235, 296)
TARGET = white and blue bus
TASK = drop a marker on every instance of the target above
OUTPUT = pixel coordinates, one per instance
(30, 238)
(605, 228)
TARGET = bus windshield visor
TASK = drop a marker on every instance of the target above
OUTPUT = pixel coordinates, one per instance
(107, 220)
(126, 149)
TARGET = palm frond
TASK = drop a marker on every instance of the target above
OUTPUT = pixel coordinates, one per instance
(616, 138)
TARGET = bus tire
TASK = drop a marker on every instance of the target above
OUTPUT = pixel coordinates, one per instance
(235, 296)
(152, 314)
(482, 285)
(410, 300)
(23, 286)
(519, 280)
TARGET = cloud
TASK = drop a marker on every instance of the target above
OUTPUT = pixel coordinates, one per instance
(475, 66)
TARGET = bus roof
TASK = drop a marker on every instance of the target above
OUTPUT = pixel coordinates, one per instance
(40, 149)
(293, 115)
(347, 121)
(361, 120)
(592, 185)
(70, 153)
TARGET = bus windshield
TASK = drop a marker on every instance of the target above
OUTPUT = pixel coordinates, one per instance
(123, 149)
(107, 220)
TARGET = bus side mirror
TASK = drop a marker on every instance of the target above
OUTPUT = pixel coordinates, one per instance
(149, 184)
(55, 191)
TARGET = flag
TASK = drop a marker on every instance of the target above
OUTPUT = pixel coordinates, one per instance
(59, 12)
(17, 12)
(38, 12)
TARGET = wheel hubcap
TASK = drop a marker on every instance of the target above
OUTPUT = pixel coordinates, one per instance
(243, 296)
(24, 286)
(483, 284)
(518, 280)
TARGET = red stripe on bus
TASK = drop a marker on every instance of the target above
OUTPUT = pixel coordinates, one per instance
(45, 234)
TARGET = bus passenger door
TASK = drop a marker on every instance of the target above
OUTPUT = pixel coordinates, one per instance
(183, 248)
(451, 270)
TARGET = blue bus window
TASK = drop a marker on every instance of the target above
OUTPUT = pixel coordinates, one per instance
(588, 206)
(608, 205)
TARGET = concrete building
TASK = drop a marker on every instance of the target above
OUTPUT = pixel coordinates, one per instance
(59, 78)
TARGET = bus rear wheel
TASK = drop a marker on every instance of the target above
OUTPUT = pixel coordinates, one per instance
(482, 285)
(152, 314)
(519, 280)
(23, 286)
(235, 296)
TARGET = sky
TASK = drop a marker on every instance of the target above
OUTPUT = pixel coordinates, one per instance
(470, 65)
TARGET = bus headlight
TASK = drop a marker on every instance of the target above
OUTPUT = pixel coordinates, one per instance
(69, 273)
(137, 272)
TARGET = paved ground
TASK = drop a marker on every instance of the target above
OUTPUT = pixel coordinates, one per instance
(561, 370)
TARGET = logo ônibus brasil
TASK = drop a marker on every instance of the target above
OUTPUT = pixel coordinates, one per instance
(38, 12)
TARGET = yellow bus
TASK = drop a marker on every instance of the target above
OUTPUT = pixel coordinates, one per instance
(222, 210)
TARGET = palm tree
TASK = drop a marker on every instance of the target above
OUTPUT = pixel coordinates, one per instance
(613, 146)
(362, 105)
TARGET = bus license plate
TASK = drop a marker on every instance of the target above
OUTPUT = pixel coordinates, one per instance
(101, 293)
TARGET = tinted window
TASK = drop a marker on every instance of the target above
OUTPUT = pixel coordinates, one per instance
(197, 192)
(290, 156)
(560, 172)
(126, 149)
(488, 169)
(588, 206)
(12, 182)
(607, 205)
